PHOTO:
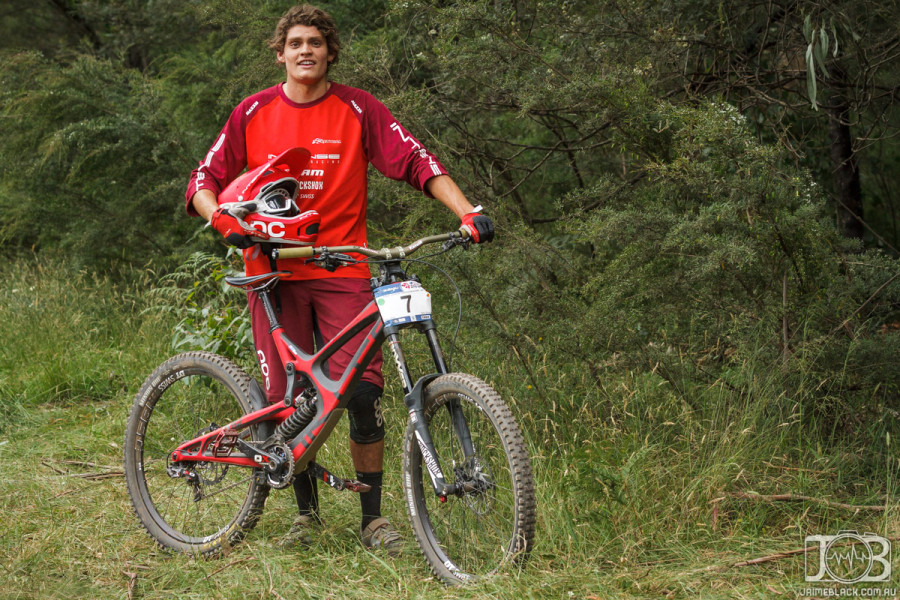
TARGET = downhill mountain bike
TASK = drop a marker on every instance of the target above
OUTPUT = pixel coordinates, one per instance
(203, 447)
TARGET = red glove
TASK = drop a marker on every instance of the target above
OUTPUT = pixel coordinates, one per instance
(479, 226)
(230, 223)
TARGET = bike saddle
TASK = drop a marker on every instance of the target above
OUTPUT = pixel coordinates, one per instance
(256, 282)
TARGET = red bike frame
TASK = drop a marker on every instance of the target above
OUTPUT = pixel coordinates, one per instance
(333, 397)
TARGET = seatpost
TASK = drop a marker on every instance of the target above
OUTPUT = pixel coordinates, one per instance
(263, 295)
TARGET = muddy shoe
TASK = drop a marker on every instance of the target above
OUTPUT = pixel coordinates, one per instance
(379, 535)
(302, 532)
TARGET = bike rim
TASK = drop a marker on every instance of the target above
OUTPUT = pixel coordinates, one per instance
(474, 535)
(190, 405)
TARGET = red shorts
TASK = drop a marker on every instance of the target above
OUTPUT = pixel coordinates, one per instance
(330, 304)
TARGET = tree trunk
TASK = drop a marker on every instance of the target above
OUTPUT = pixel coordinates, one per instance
(847, 189)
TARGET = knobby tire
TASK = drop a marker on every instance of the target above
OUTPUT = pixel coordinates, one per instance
(186, 395)
(483, 532)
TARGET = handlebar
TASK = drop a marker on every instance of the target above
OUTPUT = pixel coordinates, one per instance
(397, 252)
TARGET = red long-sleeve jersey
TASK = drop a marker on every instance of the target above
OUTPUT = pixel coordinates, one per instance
(344, 130)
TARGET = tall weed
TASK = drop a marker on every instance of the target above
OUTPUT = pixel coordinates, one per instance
(71, 337)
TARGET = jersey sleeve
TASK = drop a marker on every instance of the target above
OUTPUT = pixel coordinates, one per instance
(224, 161)
(393, 150)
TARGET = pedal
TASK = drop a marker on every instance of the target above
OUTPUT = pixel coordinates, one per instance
(338, 483)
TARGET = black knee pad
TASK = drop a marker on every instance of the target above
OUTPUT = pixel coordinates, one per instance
(364, 412)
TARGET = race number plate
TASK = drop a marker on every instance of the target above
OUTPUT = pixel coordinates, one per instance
(403, 302)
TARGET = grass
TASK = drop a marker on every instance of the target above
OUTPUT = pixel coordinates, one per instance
(636, 489)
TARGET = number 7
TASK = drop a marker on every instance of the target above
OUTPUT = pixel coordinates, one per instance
(408, 298)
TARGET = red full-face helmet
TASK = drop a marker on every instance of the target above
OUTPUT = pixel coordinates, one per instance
(268, 195)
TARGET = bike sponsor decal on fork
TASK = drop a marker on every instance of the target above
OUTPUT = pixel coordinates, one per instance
(429, 459)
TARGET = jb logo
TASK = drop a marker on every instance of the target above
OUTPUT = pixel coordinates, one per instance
(848, 557)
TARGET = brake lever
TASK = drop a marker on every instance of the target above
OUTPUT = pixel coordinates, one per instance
(331, 261)
(453, 242)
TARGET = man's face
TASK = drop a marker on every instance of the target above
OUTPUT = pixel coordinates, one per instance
(305, 54)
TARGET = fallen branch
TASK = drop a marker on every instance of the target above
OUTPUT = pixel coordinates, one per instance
(105, 475)
(100, 475)
(81, 463)
(799, 498)
(49, 466)
(786, 468)
(272, 584)
(755, 561)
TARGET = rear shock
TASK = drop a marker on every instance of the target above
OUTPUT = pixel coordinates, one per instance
(299, 419)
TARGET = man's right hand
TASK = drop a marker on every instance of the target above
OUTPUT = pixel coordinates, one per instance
(230, 223)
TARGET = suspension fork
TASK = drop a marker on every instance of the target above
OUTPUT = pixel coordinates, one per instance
(460, 426)
(415, 400)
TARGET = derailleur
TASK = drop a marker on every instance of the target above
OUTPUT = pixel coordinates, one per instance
(192, 477)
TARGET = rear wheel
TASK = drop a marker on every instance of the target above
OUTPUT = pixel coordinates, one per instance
(188, 395)
(490, 526)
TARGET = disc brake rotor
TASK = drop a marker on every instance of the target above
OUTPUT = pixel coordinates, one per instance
(210, 473)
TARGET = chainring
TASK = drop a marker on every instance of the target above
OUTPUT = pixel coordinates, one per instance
(281, 477)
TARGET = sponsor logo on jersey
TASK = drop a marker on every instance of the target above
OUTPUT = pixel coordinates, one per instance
(356, 106)
(312, 173)
(252, 108)
(404, 136)
(326, 157)
(321, 141)
(417, 147)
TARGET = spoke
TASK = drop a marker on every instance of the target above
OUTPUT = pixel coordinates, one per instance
(228, 487)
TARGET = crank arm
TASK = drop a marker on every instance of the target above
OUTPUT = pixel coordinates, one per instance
(263, 459)
(338, 483)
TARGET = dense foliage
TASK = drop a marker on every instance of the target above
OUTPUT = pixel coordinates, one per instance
(680, 305)
(650, 217)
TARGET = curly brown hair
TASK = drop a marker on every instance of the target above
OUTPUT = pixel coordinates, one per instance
(311, 16)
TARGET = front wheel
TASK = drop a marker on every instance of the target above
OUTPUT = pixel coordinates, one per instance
(188, 395)
(490, 525)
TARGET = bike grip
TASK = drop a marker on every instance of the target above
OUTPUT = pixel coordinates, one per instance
(464, 232)
(304, 252)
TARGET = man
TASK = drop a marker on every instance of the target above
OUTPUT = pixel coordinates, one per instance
(344, 129)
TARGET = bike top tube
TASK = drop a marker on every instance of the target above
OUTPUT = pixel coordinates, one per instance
(398, 252)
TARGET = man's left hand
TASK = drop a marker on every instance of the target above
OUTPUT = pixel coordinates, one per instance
(479, 226)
